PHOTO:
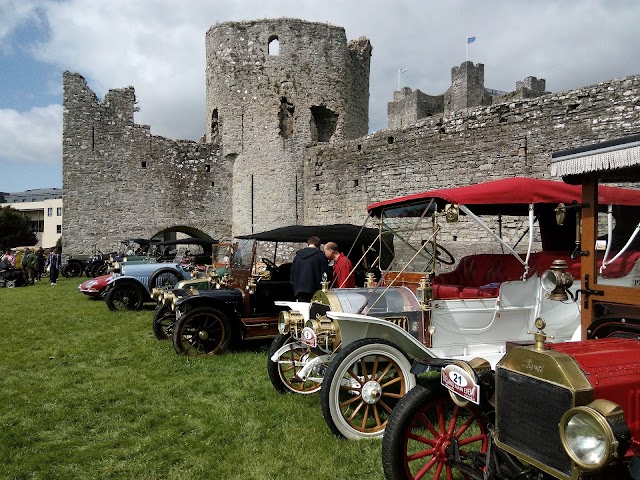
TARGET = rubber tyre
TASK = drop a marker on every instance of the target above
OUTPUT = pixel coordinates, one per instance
(102, 270)
(417, 433)
(165, 277)
(124, 296)
(164, 320)
(202, 331)
(95, 268)
(346, 408)
(289, 364)
(72, 270)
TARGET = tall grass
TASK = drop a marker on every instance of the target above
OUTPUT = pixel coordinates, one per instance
(86, 393)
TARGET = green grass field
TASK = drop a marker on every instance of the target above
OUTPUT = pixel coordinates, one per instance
(87, 393)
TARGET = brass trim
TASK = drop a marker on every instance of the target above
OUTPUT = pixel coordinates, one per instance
(551, 367)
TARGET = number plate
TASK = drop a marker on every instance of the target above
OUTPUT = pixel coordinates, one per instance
(461, 383)
(309, 337)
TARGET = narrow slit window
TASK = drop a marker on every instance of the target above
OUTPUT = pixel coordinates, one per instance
(144, 164)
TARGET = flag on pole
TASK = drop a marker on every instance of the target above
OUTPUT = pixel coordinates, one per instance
(471, 39)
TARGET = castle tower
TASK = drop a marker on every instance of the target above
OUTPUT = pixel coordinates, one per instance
(275, 87)
(467, 88)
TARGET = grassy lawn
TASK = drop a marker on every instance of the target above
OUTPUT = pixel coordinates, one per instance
(87, 393)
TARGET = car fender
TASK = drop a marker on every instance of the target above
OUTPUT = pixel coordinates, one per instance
(126, 279)
(223, 301)
(302, 307)
(354, 327)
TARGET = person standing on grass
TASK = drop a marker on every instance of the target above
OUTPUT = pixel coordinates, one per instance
(54, 262)
(29, 265)
(40, 261)
(306, 271)
(342, 275)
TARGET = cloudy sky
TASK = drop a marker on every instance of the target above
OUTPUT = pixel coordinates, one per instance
(157, 46)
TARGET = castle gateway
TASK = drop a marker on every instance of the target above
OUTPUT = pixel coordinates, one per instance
(286, 139)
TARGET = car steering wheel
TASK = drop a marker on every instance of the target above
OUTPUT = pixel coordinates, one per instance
(442, 255)
(269, 263)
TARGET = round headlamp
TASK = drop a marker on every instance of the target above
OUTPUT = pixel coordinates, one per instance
(283, 322)
(169, 297)
(588, 438)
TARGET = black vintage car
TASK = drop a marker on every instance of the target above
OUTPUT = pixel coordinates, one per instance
(242, 306)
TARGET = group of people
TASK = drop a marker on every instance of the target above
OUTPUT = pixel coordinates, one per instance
(311, 263)
(33, 262)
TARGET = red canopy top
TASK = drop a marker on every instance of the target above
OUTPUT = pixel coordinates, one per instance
(510, 196)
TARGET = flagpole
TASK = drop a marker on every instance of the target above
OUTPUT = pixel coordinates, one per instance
(466, 48)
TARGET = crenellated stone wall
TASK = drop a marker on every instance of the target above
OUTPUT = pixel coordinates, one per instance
(466, 147)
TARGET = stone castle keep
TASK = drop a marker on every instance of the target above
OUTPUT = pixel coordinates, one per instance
(286, 139)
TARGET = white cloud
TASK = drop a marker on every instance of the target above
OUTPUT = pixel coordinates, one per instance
(33, 137)
(157, 46)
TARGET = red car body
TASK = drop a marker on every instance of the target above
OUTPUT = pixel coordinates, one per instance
(95, 287)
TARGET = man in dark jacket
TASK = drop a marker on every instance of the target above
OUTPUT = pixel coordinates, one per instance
(306, 272)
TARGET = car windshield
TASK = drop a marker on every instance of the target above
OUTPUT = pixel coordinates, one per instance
(377, 302)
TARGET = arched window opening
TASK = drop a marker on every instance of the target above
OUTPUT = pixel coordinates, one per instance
(274, 45)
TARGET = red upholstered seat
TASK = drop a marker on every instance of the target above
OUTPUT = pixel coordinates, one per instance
(480, 276)
(477, 276)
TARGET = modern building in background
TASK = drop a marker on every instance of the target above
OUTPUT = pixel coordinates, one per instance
(43, 207)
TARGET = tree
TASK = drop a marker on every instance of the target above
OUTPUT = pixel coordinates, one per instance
(15, 229)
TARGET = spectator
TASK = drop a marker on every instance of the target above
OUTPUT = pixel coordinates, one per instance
(40, 261)
(17, 259)
(306, 271)
(9, 258)
(54, 262)
(342, 267)
(29, 265)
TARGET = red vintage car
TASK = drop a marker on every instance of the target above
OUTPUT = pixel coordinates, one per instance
(548, 410)
(96, 287)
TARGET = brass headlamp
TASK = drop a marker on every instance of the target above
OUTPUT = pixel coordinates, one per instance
(556, 281)
(168, 298)
(291, 321)
(157, 293)
(327, 331)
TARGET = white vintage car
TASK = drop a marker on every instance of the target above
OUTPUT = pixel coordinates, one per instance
(360, 342)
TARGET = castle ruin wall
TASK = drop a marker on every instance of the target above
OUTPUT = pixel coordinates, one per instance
(466, 147)
(122, 182)
(265, 107)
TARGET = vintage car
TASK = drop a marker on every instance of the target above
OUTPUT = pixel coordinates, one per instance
(95, 288)
(207, 277)
(486, 301)
(243, 304)
(548, 410)
(132, 282)
(75, 265)
(129, 289)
